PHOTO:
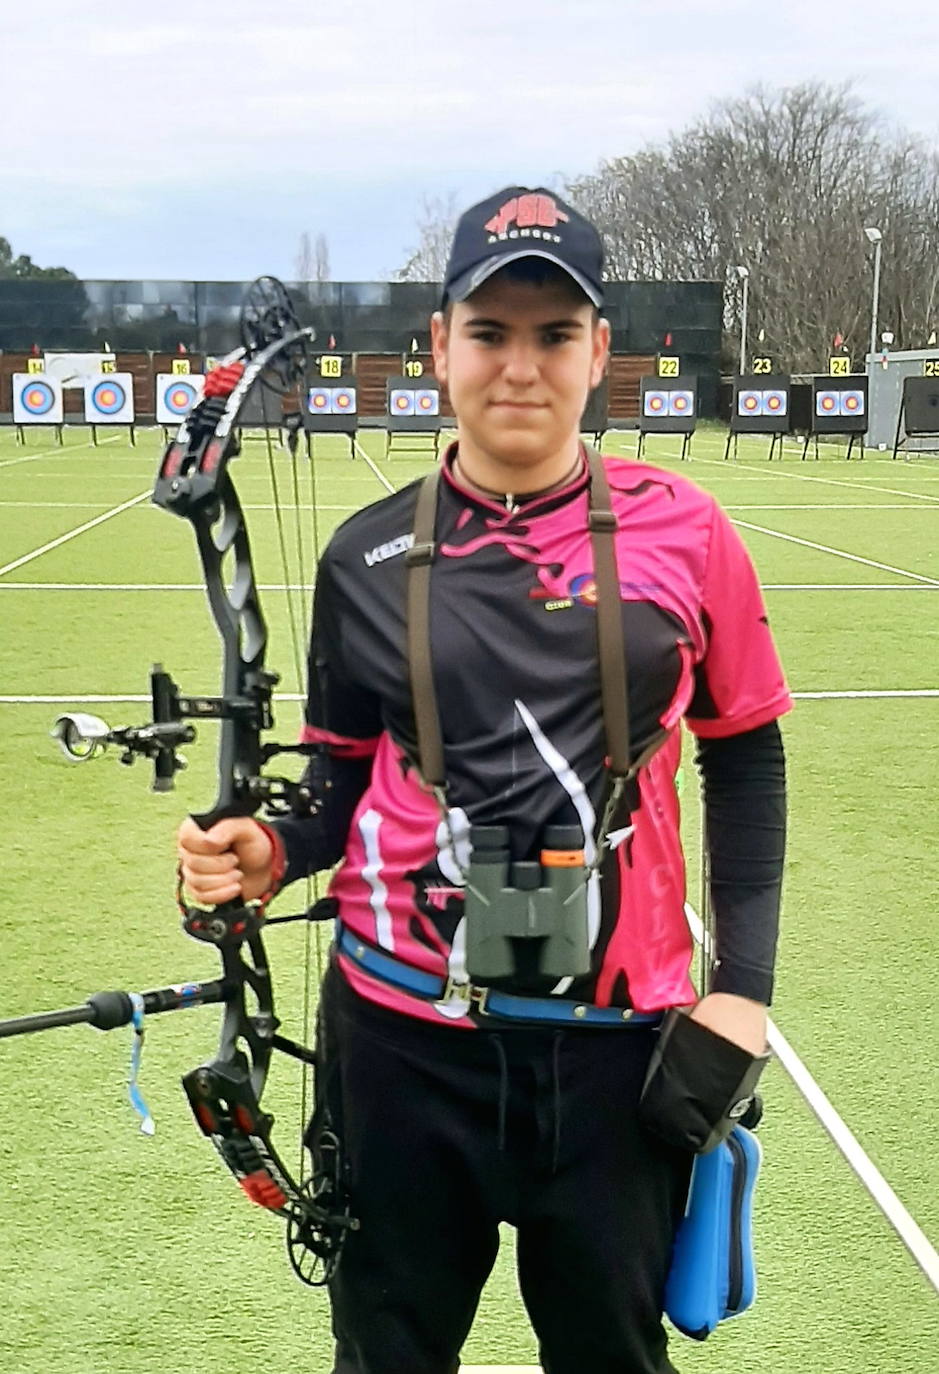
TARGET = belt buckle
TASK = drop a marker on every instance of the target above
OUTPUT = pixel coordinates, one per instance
(463, 990)
(481, 997)
(455, 988)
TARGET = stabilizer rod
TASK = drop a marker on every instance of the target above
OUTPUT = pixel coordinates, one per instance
(108, 1010)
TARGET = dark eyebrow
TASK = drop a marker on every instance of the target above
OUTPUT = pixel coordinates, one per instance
(479, 322)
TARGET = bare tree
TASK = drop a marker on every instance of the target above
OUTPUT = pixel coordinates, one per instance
(321, 258)
(435, 227)
(304, 264)
(784, 183)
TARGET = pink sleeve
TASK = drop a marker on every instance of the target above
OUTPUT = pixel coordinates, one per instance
(739, 683)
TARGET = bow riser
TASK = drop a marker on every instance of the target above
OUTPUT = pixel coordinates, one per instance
(193, 482)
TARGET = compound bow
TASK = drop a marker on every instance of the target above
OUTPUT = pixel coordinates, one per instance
(193, 481)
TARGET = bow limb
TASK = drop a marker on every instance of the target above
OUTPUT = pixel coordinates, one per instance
(194, 483)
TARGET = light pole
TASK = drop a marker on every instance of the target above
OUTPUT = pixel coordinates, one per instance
(875, 237)
(744, 274)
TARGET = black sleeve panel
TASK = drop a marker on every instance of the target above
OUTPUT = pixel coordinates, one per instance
(346, 718)
(744, 779)
(336, 701)
(316, 842)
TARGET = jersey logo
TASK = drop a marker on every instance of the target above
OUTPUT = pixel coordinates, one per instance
(389, 550)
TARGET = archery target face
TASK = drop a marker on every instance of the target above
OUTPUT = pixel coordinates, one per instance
(176, 396)
(680, 403)
(655, 403)
(753, 403)
(321, 400)
(828, 403)
(344, 400)
(401, 402)
(109, 400)
(852, 403)
(37, 399)
(427, 402)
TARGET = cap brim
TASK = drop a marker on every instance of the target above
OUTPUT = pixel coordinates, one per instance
(464, 286)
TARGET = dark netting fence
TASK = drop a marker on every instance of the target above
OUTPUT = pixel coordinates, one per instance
(360, 317)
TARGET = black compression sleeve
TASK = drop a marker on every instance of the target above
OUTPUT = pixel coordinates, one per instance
(744, 778)
(316, 842)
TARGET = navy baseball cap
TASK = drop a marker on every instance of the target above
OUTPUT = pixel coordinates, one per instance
(523, 223)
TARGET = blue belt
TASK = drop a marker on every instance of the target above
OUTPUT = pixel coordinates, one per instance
(488, 1001)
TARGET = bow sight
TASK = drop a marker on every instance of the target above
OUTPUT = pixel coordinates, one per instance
(193, 482)
(82, 737)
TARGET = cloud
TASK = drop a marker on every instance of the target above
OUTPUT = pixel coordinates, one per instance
(358, 111)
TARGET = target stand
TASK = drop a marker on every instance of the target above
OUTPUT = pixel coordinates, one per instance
(37, 400)
(918, 415)
(596, 414)
(109, 400)
(332, 400)
(413, 413)
(839, 406)
(760, 406)
(668, 405)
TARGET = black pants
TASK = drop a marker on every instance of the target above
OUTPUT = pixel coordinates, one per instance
(448, 1132)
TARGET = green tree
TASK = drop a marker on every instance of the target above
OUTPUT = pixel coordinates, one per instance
(23, 266)
(44, 306)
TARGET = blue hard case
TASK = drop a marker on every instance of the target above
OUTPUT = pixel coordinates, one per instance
(712, 1275)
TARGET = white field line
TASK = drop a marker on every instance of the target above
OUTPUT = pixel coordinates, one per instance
(827, 505)
(296, 587)
(137, 587)
(780, 472)
(313, 507)
(72, 534)
(377, 471)
(244, 478)
(846, 587)
(872, 695)
(912, 1236)
(732, 467)
(839, 553)
(96, 505)
(58, 452)
(857, 696)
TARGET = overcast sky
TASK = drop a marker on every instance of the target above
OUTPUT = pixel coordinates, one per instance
(200, 140)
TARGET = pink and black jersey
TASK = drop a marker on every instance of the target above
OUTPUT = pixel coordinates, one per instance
(514, 650)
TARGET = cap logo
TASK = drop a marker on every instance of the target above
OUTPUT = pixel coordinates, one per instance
(527, 212)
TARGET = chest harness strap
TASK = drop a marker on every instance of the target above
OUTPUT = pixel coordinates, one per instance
(611, 645)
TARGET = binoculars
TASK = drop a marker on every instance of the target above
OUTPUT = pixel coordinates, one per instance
(543, 900)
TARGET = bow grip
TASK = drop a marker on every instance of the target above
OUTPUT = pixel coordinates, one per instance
(231, 922)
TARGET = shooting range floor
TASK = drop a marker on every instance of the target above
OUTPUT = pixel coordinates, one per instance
(116, 1249)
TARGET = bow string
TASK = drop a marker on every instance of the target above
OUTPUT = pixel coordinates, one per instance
(193, 482)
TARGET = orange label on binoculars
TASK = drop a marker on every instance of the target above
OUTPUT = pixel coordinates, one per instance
(562, 858)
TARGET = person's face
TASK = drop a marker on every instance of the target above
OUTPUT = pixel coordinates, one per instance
(519, 359)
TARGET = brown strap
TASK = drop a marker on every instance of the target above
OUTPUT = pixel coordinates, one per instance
(419, 559)
(614, 689)
(611, 644)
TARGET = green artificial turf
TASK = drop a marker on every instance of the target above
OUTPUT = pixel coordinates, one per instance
(132, 1255)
